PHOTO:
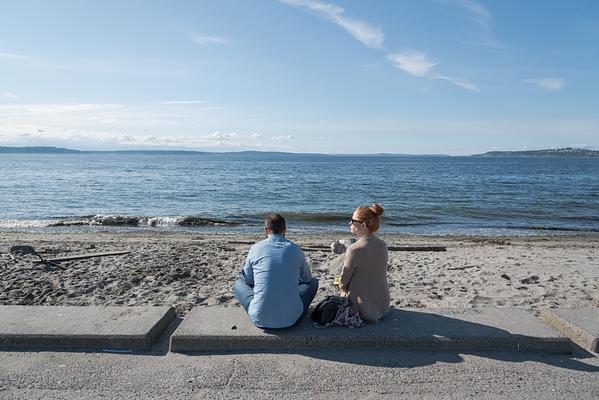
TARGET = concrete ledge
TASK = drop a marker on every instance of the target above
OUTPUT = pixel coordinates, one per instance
(582, 326)
(229, 328)
(85, 328)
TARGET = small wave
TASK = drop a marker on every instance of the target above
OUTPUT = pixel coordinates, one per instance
(23, 224)
(137, 221)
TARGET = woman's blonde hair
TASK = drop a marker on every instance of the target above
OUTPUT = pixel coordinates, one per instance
(371, 216)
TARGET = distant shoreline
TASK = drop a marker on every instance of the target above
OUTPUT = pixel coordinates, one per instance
(61, 150)
(561, 152)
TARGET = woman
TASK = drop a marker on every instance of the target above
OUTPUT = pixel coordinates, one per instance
(364, 272)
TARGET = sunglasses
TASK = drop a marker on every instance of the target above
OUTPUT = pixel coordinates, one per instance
(355, 221)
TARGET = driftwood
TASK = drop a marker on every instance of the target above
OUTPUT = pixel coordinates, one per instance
(391, 248)
(317, 247)
(83, 256)
(417, 248)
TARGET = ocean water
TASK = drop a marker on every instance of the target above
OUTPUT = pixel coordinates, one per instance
(232, 192)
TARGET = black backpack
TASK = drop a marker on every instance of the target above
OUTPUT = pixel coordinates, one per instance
(326, 311)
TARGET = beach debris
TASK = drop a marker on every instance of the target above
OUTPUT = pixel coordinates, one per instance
(82, 256)
(530, 280)
(234, 327)
(117, 351)
(29, 250)
(461, 268)
(506, 276)
(340, 246)
(24, 250)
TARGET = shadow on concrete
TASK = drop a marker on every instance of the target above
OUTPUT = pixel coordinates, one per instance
(419, 358)
(409, 339)
(425, 328)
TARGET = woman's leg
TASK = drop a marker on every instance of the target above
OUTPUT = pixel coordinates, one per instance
(244, 293)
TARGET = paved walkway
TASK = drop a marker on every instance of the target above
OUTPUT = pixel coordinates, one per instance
(314, 374)
(348, 372)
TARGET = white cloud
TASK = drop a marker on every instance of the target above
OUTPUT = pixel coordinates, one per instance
(179, 102)
(550, 84)
(362, 31)
(412, 62)
(32, 134)
(417, 64)
(8, 94)
(205, 40)
(282, 138)
(12, 56)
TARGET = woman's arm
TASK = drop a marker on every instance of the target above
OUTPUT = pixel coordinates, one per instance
(349, 267)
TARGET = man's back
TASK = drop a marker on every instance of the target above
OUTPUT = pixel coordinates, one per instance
(275, 266)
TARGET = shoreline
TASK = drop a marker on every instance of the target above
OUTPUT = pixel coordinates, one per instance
(187, 269)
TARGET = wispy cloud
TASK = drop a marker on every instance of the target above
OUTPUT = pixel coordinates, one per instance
(479, 16)
(485, 41)
(35, 109)
(418, 64)
(12, 55)
(181, 102)
(463, 83)
(471, 11)
(360, 30)
(205, 40)
(8, 95)
(549, 84)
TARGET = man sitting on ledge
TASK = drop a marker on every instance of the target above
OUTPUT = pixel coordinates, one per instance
(276, 286)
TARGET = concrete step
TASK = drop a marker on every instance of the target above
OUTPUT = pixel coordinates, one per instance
(86, 328)
(580, 325)
(229, 328)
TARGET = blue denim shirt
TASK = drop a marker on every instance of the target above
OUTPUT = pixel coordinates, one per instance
(275, 267)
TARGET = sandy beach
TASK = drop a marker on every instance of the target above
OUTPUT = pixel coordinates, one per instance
(198, 269)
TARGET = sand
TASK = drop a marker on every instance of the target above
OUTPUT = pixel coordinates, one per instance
(198, 269)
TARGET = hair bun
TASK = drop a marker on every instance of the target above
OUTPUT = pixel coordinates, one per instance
(377, 209)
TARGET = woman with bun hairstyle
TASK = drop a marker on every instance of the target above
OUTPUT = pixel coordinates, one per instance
(364, 273)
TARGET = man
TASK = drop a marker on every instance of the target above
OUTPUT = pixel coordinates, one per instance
(276, 286)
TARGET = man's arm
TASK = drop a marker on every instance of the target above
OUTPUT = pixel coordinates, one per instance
(248, 270)
(305, 275)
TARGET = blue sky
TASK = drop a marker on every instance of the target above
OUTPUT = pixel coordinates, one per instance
(431, 76)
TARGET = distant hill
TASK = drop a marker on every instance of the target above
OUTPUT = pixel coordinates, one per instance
(564, 152)
(37, 150)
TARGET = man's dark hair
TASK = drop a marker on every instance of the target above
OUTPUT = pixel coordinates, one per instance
(275, 223)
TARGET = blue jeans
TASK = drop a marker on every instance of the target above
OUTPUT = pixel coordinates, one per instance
(245, 293)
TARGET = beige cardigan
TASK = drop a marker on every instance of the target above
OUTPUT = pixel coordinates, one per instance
(364, 277)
